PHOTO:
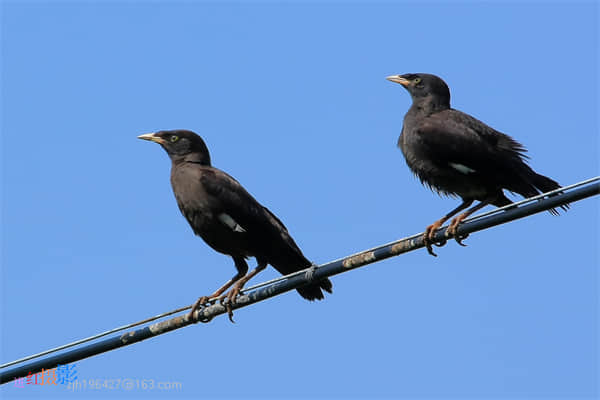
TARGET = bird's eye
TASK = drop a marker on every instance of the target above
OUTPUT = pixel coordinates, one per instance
(417, 80)
(174, 138)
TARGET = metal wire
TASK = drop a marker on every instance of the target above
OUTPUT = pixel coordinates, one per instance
(497, 210)
(511, 206)
(533, 198)
(97, 336)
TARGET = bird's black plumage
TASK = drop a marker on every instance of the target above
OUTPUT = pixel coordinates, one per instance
(455, 154)
(227, 217)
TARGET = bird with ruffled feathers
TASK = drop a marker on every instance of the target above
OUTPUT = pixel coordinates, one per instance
(455, 154)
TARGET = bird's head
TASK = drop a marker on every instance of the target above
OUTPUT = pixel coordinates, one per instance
(181, 145)
(423, 85)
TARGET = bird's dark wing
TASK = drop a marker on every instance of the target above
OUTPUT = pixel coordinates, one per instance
(243, 208)
(453, 138)
(469, 139)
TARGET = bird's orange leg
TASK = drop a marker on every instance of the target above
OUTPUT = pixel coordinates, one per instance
(429, 236)
(242, 269)
(204, 299)
(235, 290)
(451, 231)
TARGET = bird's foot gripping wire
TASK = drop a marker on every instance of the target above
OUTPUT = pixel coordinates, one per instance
(452, 232)
(429, 237)
(199, 304)
(228, 300)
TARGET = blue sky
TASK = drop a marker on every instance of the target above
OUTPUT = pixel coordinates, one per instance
(292, 100)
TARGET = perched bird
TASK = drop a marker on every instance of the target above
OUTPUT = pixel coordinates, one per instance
(455, 154)
(228, 218)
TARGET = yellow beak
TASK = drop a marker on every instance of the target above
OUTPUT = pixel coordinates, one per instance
(398, 79)
(152, 138)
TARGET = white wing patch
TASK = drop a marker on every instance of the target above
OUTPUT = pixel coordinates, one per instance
(462, 168)
(230, 222)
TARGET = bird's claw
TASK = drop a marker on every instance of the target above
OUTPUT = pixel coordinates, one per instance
(440, 243)
(227, 306)
(460, 238)
(228, 300)
(430, 249)
(429, 239)
(452, 232)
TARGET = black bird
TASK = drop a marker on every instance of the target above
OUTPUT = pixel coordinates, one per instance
(228, 218)
(455, 154)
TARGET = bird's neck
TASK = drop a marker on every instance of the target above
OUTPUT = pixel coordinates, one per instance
(429, 105)
(196, 158)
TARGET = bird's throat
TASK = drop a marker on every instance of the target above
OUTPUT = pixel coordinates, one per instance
(429, 105)
(197, 158)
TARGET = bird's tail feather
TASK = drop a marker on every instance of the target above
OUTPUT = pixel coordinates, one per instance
(541, 184)
(314, 292)
(295, 262)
